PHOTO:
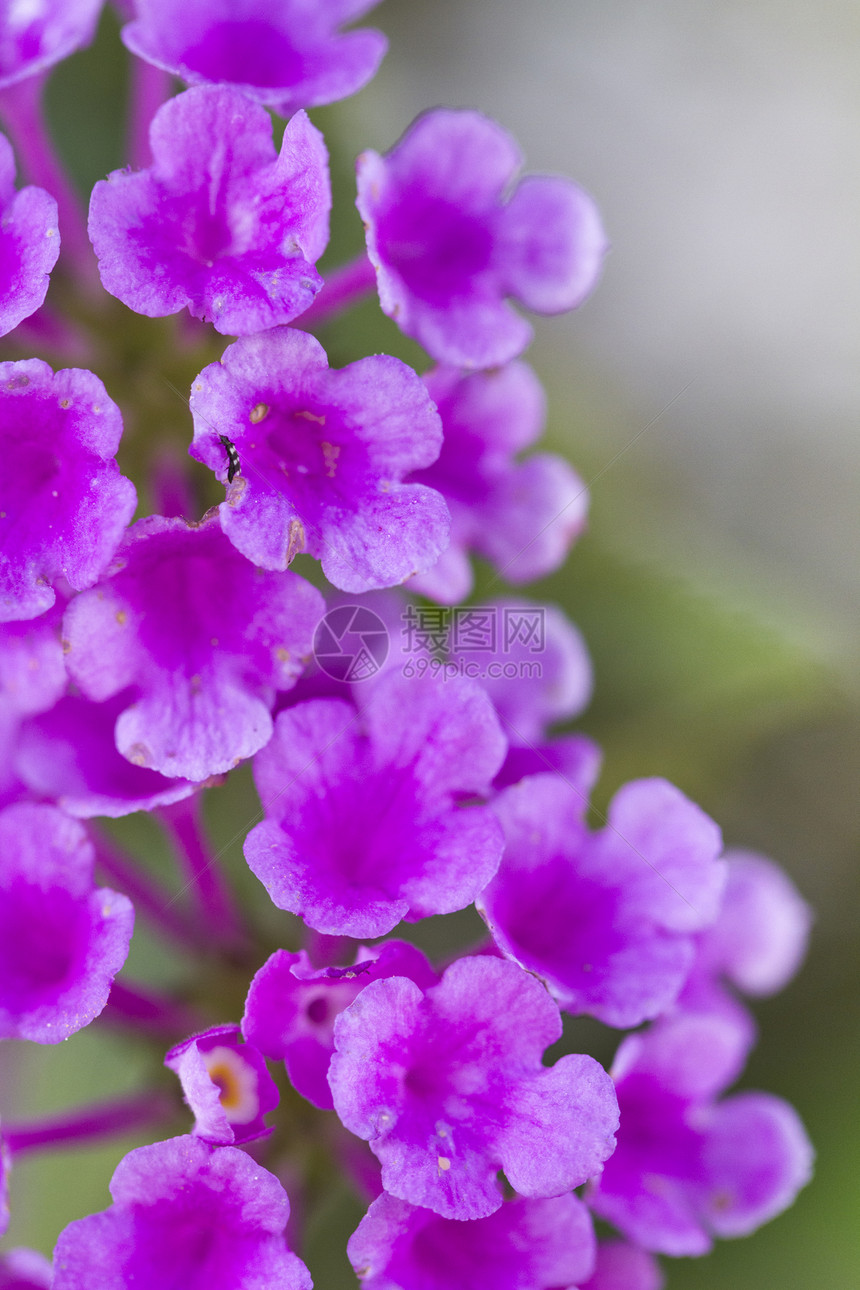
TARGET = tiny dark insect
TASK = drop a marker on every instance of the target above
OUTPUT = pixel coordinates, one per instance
(234, 465)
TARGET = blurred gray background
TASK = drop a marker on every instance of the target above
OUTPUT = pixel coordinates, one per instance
(721, 140)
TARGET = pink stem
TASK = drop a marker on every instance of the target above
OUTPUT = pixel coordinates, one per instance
(21, 109)
(142, 1009)
(343, 288)
(184, 823)
(101, 1120)
(150, 87)
(145, 893)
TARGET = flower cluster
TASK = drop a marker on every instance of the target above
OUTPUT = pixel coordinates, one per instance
(403, 772)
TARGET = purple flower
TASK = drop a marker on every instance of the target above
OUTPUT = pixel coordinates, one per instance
(521, 516)
(536, 669)
(226, 1085)
(607, 918)
(70, 756)
(364, 823)
(292, 1007)
(62, 941)
(24, 1270)
(203, 637)
(448, 247)
(757, 942)
(624, 1267)
(575, 758)
(184, 1214)
(63, 503)
(688, 1168)
(323, 456)
(524, 1245)
(448, 1087)
(286, 54)
(32, 668)
(219, 224)
(29, 244)
(33, 37)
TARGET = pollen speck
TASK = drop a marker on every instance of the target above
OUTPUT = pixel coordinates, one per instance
(444, 1163)
(258, 412)
(121, 617)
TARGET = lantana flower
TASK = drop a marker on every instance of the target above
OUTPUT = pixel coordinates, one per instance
(448, 1087)
(687, 1167)
(33, 37)
(605, 918)
(521, 516)
(220, 223)
(29, 244)
(755, 945)
(184, 1213)
(226, 1085)
(69, 756)
(364, 824)
(62, 940)
(524, 1245)
(198, 637)
(450, 241)
(286, 54)
(64, 506)
(323, 458)
(292, 1007)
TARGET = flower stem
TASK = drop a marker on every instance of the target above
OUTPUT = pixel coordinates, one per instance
(150, 87)
(21, 110)
(343, 288)
(100, 1120)
(142, 1009)
(145, 893)
(184, 824)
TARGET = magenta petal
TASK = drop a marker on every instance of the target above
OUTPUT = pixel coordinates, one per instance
(292, 1007)
(624, 1267)
(596, 915)
(62, 940)
(686, 1167)
(448, 1087)
(554, 244)
(760, 935)
(363, 824)
(448, 249)
(63, 503)
(204, 638)
(219, 224)
(520, 516)
(283, 53)
(32, 667)
(524, 1245)
(69, 755)
(188, 1214)
(323, 456)
(25, 1270)
(35, 37)
(757, 1157)
(226, 1085)
(29, 244)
